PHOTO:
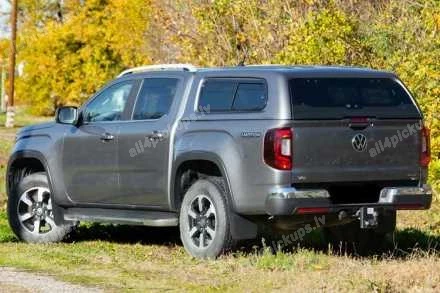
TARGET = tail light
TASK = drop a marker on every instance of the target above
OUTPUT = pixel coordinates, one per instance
(425, 152)
(278, 148)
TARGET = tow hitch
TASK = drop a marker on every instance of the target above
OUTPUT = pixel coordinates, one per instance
(368, 217)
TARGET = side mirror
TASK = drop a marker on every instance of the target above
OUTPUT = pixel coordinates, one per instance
(66, 115)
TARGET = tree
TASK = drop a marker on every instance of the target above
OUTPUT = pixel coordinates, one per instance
(328, 36)
(66, 62)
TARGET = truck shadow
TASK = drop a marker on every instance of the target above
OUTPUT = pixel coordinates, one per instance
(409, 240)
(404, 243)
(126, 234)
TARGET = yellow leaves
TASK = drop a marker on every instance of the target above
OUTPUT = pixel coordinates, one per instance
(68, 61)
(241, 37)
(4, 50)
(437, 21)
(324, 37)
(310, 2)
(128, 19)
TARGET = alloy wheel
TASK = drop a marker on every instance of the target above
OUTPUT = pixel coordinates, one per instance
(202, 221)
(34, 210)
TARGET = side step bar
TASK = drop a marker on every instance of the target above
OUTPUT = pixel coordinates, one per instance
(127, 217)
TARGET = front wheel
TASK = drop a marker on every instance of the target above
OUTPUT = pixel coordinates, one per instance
(30, 211)
(204, 219)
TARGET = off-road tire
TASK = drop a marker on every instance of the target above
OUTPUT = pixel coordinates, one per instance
(213, 192)
(17, 208)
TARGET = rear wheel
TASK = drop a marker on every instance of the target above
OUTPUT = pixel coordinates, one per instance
(204, 219)
(30, 211)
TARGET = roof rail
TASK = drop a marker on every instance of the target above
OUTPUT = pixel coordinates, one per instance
(159, 67)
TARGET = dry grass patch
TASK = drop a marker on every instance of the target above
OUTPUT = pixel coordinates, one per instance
(153, 259)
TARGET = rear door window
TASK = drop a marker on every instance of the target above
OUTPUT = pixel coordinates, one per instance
(337, 98)
(155, 98)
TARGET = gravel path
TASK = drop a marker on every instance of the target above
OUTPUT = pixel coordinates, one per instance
(12, 280)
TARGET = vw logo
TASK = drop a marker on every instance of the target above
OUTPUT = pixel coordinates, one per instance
(359, 142)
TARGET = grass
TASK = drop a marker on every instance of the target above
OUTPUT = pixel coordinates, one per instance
(6, 142)
(113, 259)
(122, 258)
(5, 287)
(23, 117)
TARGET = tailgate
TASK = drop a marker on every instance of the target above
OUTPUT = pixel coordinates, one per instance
(332, 151)
(354, 130)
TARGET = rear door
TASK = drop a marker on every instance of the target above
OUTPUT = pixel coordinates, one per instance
(354, 130)
(144, 143)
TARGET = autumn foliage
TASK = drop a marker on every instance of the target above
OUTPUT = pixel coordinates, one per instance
(71, 48)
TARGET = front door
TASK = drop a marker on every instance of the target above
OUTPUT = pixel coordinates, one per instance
(90, 150)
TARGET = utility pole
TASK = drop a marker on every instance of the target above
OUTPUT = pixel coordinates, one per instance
(10, 106)
(3, 91)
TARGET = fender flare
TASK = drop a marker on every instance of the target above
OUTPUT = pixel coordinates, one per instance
(27, 154)
(198, 155)
(31, 154)
(241, 228)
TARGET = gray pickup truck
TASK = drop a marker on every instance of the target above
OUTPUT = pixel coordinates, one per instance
(222, 152)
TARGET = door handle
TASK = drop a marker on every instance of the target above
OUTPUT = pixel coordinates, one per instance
(107, 137)
(156, 135)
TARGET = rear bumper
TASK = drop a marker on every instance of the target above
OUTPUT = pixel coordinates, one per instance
(290, 201)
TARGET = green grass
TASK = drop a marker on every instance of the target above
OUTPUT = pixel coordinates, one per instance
(6, 234)
(122, 258)
(5, 146)
(145, 259)
(23, 118)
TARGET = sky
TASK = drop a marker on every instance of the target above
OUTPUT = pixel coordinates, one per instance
(4, 26)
